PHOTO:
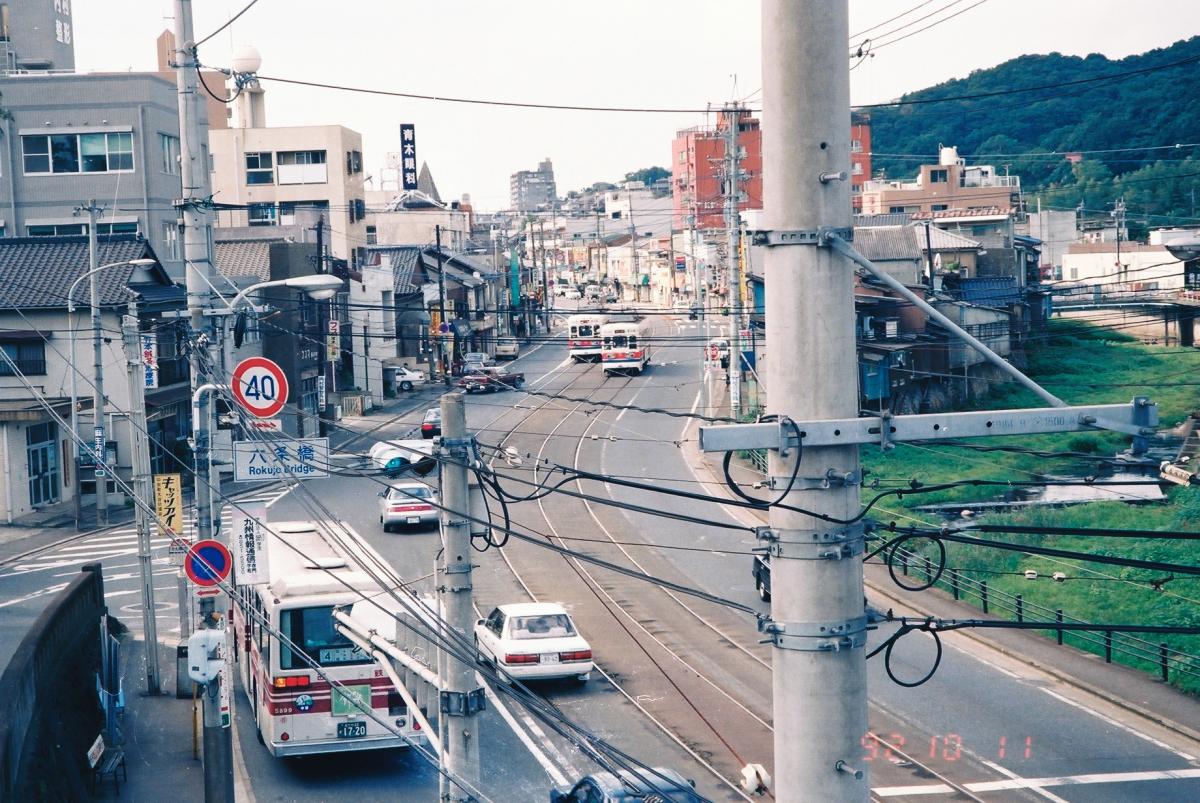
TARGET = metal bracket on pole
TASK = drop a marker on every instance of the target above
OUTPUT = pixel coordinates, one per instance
(462, 703)
(850, 634)
(818, 236)
(1138, 418)
(835, 544)
(831, 478)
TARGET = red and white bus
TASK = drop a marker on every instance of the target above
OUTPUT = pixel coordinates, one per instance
(583, 336)
(626, 347)
(298, 711)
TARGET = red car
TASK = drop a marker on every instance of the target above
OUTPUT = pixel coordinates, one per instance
(490, 379)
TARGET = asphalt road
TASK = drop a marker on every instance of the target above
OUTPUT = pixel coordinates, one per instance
(689, 687)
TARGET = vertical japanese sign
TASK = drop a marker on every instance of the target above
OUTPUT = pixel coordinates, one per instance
(250, 560)
(514, 279)
(168, 507)
(62, 25)
(408, 156)
(333, 342)
(321, 392)
(98, 447)
(150, 358)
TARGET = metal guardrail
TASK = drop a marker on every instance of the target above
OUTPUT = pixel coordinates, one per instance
(50, 676)
(1138, 652)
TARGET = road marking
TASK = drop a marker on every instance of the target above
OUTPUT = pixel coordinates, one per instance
(1121, 725)
(547, 765)
(41, 592)
(1016, 782)
(1025, 783)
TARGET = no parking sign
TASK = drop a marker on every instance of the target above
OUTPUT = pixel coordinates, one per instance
(207, 563)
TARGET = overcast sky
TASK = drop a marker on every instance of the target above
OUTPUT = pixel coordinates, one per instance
(644, 53)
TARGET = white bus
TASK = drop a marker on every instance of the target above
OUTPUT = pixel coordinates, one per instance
(296, 710)
(583, 336)
(626, 347)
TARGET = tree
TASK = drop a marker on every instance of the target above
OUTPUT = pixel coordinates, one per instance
(648, 175)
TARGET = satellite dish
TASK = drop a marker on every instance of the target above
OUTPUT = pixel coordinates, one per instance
(1184, 247)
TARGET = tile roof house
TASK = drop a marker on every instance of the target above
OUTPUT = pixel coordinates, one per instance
(51, 360)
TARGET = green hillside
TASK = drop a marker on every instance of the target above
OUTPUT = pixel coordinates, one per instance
(1080, 104)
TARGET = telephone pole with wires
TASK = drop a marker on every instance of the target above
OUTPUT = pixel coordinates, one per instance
(733, 225)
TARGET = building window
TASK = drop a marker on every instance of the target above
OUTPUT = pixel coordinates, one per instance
(353, 162)
(259, 169)
(302, 167)
(30, 358)
(856, 168)
(262, 214)
(856, 146)
(939, 176)
(169, 146)
(372, 235)
(896, 210)
(51, 230)
(78, 153)
(170, 236)
(938, 208)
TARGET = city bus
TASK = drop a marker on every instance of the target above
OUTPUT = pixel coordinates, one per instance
(626, 347)
(583, 336)
(297, 710)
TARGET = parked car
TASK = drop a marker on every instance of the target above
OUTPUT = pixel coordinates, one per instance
(762, 577)
(627, 786)
(476, 359)
(407, 379)
(407, 504)
(533, 641)
(398, 457)
(572, 294)
(489, 379)
(507, 348)
(681, 305)
(718, 349)
(431, 426)
(592, 291)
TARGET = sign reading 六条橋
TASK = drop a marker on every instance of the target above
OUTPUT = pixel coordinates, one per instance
(301, 458)
(408, 156)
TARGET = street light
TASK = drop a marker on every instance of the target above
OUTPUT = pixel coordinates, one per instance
(318, 287)
(98, 379)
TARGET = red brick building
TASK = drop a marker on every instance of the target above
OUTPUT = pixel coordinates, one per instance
(697, 163)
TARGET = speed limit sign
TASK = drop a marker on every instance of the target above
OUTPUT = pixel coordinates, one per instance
(260, 386)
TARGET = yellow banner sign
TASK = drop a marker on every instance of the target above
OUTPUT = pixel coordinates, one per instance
(168, 504)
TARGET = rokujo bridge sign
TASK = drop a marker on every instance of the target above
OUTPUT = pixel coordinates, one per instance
(260, 386)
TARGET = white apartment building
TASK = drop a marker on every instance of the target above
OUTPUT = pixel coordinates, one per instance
(291, 176)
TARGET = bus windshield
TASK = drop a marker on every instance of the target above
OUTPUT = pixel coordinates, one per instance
(583, 330)
(311, 629)
(618, 341)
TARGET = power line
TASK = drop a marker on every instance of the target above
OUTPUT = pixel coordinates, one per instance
(231, 20)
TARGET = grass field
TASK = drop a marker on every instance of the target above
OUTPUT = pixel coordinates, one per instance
(1081, 364)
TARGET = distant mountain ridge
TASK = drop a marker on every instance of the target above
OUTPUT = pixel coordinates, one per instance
(1153, 108)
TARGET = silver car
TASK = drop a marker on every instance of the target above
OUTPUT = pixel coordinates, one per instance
(407, 504)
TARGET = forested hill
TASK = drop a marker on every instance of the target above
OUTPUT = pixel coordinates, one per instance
(1074, 104)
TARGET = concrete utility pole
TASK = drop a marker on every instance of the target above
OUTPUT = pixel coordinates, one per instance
(140, 460)
(193, 164)
(442, 336)
(820, 696)
(323, 356)
(733, 225)
(461, 699)
(545, 282)
(101, 435)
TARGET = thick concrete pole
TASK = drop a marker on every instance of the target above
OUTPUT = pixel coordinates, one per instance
(733, 224)
(102, 467)
(820, 695)
(460, 740)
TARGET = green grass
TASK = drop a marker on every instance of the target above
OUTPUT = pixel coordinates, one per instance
(1081, 364)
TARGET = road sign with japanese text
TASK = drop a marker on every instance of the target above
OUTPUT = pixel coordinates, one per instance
(150, 358)
(260, 386)
(301, 458)
(333, 341)
(249, 536)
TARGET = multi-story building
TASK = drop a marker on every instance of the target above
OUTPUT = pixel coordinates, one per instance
(109, 137)
(698, 164)
(36, 35)
(534, 190)
(291, 175)
(950, 184)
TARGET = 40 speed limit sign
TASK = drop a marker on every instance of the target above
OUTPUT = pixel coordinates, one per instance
(260, 386)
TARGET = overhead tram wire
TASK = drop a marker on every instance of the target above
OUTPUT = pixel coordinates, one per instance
(229, 22)
(866, 31)
(880, 45)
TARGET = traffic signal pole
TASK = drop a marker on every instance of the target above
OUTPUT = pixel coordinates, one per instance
(819, 684)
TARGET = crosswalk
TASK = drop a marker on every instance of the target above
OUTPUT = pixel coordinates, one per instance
(116, 550)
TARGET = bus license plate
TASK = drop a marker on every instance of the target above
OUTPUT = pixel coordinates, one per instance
(351, 730)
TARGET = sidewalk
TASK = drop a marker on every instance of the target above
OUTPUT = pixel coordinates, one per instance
(1135, 691)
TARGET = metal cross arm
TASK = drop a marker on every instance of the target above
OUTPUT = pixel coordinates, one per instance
(1137, 418)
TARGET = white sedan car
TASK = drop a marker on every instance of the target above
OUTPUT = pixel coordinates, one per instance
(407, 379)
(533, 641)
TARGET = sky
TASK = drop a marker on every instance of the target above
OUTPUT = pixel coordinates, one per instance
(691, 54)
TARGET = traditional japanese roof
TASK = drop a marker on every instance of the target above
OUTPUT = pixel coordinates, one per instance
(887, 243)
(37, 272)
(404, 260)
(244, 258)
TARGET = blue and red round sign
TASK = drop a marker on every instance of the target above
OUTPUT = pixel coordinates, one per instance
(207, 563)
